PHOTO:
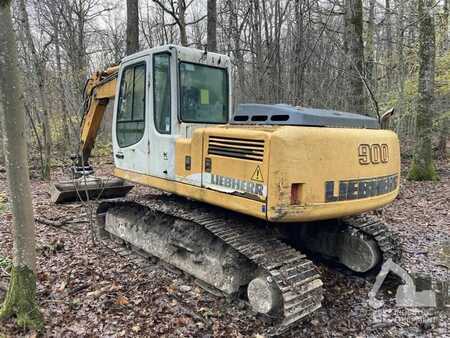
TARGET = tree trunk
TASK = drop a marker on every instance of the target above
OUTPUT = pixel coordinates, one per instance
(370, 47)
(276, 62)
(61, 96)
(267, 88)
(388, 37)
(236, 32)
(182, 23)
(132, 26)
(444, 125)
(79, 53)
(257, 52)
(20, 299)
(177, 11)
(354, 49)
(2, 152)
(422, 167)
(401, 63)
(39, 69)
(445, 42)
(443, 137)
(212, 25)
(296, 75)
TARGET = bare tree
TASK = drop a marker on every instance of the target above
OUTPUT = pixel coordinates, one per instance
(74, 17)
(39, 70)
(354, 48)
(77, 16)
(388, 42)
(20, 300)
(256, 45)
(422, 167)
(52, 23)
(233, 37)
(370, 45)
(2, 152)
(177, 10)
(212, 25)
(444, 121)
(446, 15)
(132, 26)
(297, 72)
(444, 41)
(401, 56)
(286, 51)
(443, 136)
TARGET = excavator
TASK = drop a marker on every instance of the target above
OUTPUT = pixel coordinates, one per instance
(249, 189)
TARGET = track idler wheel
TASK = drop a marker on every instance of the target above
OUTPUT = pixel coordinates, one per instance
(348, 246)
(264, 296)
(358, 254)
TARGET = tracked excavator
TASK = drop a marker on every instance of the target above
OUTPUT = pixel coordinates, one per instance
(247, 193)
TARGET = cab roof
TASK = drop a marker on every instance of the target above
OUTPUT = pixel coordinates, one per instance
(185, 54)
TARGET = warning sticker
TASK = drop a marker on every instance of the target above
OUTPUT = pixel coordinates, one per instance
(204, 96)
(257, 175)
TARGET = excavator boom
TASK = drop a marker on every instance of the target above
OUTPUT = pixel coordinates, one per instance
(99, 89)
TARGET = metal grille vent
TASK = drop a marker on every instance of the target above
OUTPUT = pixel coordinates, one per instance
(236, 148)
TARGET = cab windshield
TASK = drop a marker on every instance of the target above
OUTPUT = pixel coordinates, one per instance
(203, 93)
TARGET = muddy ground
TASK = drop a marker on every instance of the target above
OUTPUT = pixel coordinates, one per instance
(85, 289)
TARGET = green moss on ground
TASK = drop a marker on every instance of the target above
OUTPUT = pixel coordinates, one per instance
(5, 263)
(20, 301)
(418, 173)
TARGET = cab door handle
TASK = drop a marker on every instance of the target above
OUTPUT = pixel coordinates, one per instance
(120, 155)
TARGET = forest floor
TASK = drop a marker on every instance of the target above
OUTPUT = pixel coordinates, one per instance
(84, 289)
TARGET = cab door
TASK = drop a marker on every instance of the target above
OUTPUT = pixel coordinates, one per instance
(130, 135)
(163, 131)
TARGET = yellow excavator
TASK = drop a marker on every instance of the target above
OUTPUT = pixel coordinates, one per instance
(247, 186)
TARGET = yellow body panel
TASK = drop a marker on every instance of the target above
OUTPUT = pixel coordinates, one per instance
(282, 173)
(275, 172)
(193, 148)
(247, 170)
(239, 204)
(312, 156)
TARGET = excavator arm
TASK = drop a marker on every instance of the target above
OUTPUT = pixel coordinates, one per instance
(99, 89)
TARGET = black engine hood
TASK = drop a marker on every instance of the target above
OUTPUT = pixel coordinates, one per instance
(283, 114)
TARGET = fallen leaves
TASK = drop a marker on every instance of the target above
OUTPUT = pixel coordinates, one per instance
(87, 290)
(122, 300)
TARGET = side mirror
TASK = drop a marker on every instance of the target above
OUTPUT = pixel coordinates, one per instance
(384, 120)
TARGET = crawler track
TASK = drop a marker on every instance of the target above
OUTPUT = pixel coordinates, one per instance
(372, 227)
(292, 273)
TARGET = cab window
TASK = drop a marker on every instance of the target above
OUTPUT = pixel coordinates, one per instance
(161, 92)
(203, 93)
(130, 122)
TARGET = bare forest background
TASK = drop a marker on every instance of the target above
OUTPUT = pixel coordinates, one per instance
(353, 55)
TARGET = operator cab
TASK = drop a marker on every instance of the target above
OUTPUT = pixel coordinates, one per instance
(163, 94)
